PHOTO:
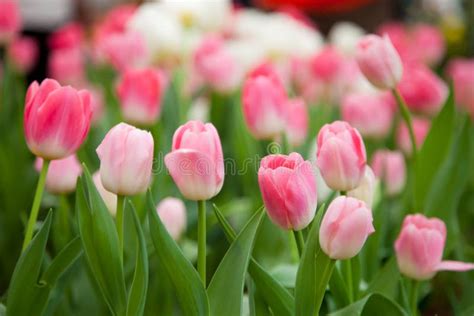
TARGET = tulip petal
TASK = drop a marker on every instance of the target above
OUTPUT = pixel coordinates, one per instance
(454, 266)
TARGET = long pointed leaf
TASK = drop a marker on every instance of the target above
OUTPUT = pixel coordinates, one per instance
(372, 304)
(226, 288)
(189, 288)
(63, 261)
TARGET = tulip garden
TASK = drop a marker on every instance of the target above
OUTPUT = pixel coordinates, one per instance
(187, 158)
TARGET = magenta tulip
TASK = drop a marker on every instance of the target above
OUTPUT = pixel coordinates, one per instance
(10, 20)
(196, 162)
(345, 228)
(419, 248)
(56, 119)
(288, 187)
(341, 156)
(126, 160)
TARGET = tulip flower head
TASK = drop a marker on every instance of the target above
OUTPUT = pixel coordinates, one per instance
(288, 187)
(172, 212)
(345, 228)
(126, 160)
(419, 248)
(23, 52)
(62, 174)
(56, 119)
(109, 198)
(389, 166)
(10, 20)
(341, 156)
(366, 189)
(421, 127)
(196, 161)
(297, 122)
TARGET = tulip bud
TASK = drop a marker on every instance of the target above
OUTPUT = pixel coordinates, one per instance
(423, 91)
(215, 64)
(68, 36)
(341, 156)
(140, 92)
(264, 100)
(371, 114)
(56, 119)
(297, 122)
(62, 174)
(328, 65)
(126, 160)
(379, 61)
(389, 166)
(366, 189)
(421, 127)
(123, 50)
(462, 73)
(23, 52)
(345, 228)
(419, 248)
(10, 20)
(172, 213)
(196, 162)
(288, 187)
(109, 198)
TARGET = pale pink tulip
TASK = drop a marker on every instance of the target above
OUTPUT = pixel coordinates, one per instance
(297, 122)
(264, 101)
(366, 189)
(421, 127)
(196, 162)
(461, 72)
(23, 52)
(109, 198)
(172, 212)
(389, 167)
(341, 156)
(288, 187)
(345, 228)
(10, 20)
(428, 44)
(370, 113)
(419, 248)
(56, 119)
(62, 174)
(126, 160)
(123, 50)
(379, 61)
(140, 92)
(328, 65)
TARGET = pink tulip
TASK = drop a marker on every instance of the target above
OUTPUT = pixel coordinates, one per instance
(371, 114)
(23, 52)
(462, 73)
(115, 20)
(172, 212)
(126, 159)
(97, 104)
(297, 122)
(419, 248)
(67, 66)
(123, 50)
(109, 198)
(140, 92)
(264, 99)
(366, 189)
(196, 162)
(10, 20)
(379, 61)
(56, 119)
(421, 127)
(389, 166)
(69, 36)
(400, 38)
(215, 64)
(62, 174)
(341, 156)
(423, 91)
(345, 228)
(328, 65)
(428, 44)
(288, 187)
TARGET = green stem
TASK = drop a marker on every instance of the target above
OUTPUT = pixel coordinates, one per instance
(414, 298)
(201, 264)
(119, 221)
(299, 241)
(349, 282)
(407, 118)
(36, 204)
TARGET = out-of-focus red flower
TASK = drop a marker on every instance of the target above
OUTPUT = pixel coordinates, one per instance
(316, 6)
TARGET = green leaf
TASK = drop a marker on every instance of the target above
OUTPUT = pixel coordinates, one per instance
(434, 150)
(386, 280)
(100, 242)
(338, 288)
(3, 310)
(24, 289)
(275, 295)
(314, 264)
(372, 304)
(189, 288)
(227, 284)
(63, 261)
(138, 290)
(450, 182)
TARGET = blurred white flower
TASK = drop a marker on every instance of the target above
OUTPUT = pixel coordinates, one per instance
(345, 36)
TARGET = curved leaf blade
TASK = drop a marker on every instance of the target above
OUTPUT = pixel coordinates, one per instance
(372, 304)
